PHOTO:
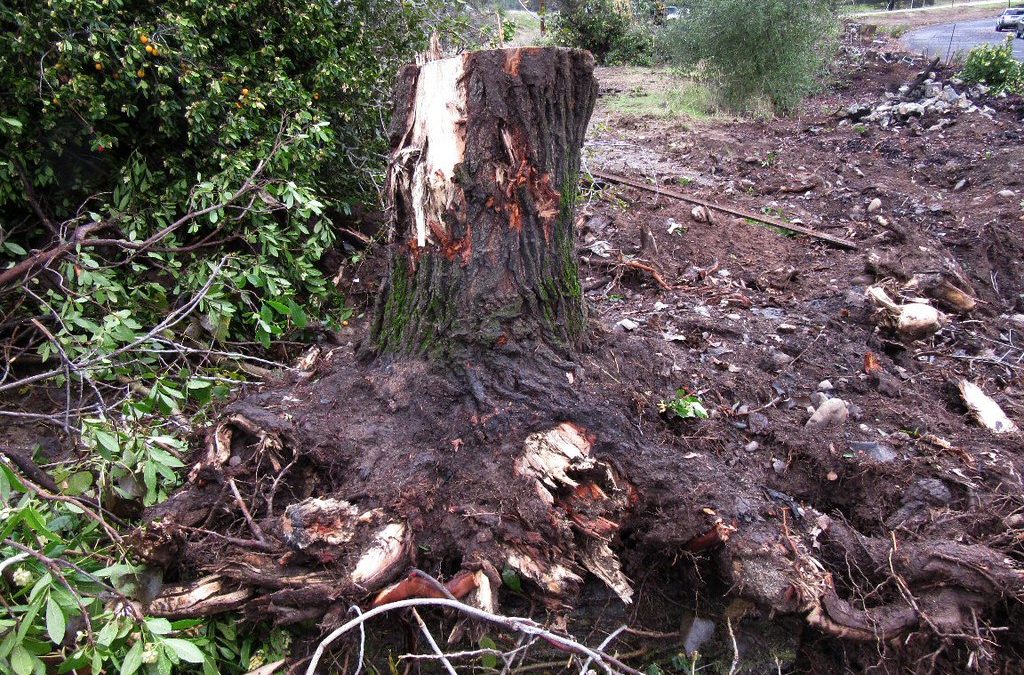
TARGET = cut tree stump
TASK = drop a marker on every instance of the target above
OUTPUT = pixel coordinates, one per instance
(483, 180)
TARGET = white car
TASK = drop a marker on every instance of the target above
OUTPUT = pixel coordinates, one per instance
(1010, 19)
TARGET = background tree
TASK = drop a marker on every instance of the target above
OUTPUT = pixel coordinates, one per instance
(776, 52)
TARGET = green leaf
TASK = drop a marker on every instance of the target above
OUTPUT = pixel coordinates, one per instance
(56, 623)
(185, 650)
(21, 661)
(510, 578)
(488, 660)
(78, 482)
(11, 122)
(158, 626)
(107, 634)
(133, 659)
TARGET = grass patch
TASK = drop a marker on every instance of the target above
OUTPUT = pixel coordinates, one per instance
(689, 99)
(894, 31)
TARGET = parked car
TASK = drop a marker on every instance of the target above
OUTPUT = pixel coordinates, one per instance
(1020, 31)
(1010, 19)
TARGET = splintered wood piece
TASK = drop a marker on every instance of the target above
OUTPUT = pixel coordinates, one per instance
(602, 562)
(204, 597)
(385, 554)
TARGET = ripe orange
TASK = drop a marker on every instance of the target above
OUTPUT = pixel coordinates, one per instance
(316, 96)
(149, 49)
(245, 92)
(140, 72)
(143, 38)
(99, 67)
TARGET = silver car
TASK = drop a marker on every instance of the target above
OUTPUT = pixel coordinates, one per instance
(1010, 19)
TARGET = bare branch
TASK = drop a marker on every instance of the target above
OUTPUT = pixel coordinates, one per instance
(609, 664)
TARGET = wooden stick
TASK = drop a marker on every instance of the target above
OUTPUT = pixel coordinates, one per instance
(774, 222)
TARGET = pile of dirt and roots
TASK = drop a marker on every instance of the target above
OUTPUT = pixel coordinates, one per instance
(853, 500)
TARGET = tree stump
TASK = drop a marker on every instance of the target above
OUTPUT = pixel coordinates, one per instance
(483, 180)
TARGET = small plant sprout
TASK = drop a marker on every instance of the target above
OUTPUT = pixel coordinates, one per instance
(684, 405)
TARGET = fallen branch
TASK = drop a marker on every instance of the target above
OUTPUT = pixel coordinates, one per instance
(610, 664)
(741, 213)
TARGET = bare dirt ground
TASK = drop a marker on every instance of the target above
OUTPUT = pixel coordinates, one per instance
(761, 326)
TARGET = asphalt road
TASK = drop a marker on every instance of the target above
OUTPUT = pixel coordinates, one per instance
(935, 40)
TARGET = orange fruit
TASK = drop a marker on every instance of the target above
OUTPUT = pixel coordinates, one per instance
(245, 92)
(99, 67)
(143, 38)
(156, 52)
(140, 72)
(316, 96)
(149, 49)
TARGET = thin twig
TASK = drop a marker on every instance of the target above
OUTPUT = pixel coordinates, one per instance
(433, 643)
(609, 664)
(601, 647)
(245, 511)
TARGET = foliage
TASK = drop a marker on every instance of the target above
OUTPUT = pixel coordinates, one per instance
(131, 114)
(995, 67)
(171, 175)
(774, 49)
(683, 406)
(612, 35)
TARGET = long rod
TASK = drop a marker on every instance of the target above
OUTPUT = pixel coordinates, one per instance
(774, 222)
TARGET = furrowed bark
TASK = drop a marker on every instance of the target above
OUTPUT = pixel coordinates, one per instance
(485, 158)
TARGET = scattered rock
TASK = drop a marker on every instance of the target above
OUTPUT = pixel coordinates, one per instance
(818, 398)
(831, 413)
(628, 324)
(752, 446)
(778, 466)
(875, 204)
(825, 385)
(786, 328)
(931, 491)
(757, 423)
(878, 452)
(700, 214)
(781, 359)
(960, 185)
(1007, 194)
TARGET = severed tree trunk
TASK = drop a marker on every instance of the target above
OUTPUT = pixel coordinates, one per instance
(485, 162)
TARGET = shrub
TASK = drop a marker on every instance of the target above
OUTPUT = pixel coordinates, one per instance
(995, 67)
(612, 34)
(170, 174)
(774, 49)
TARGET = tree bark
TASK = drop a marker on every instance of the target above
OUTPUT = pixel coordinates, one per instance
(483, 180)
